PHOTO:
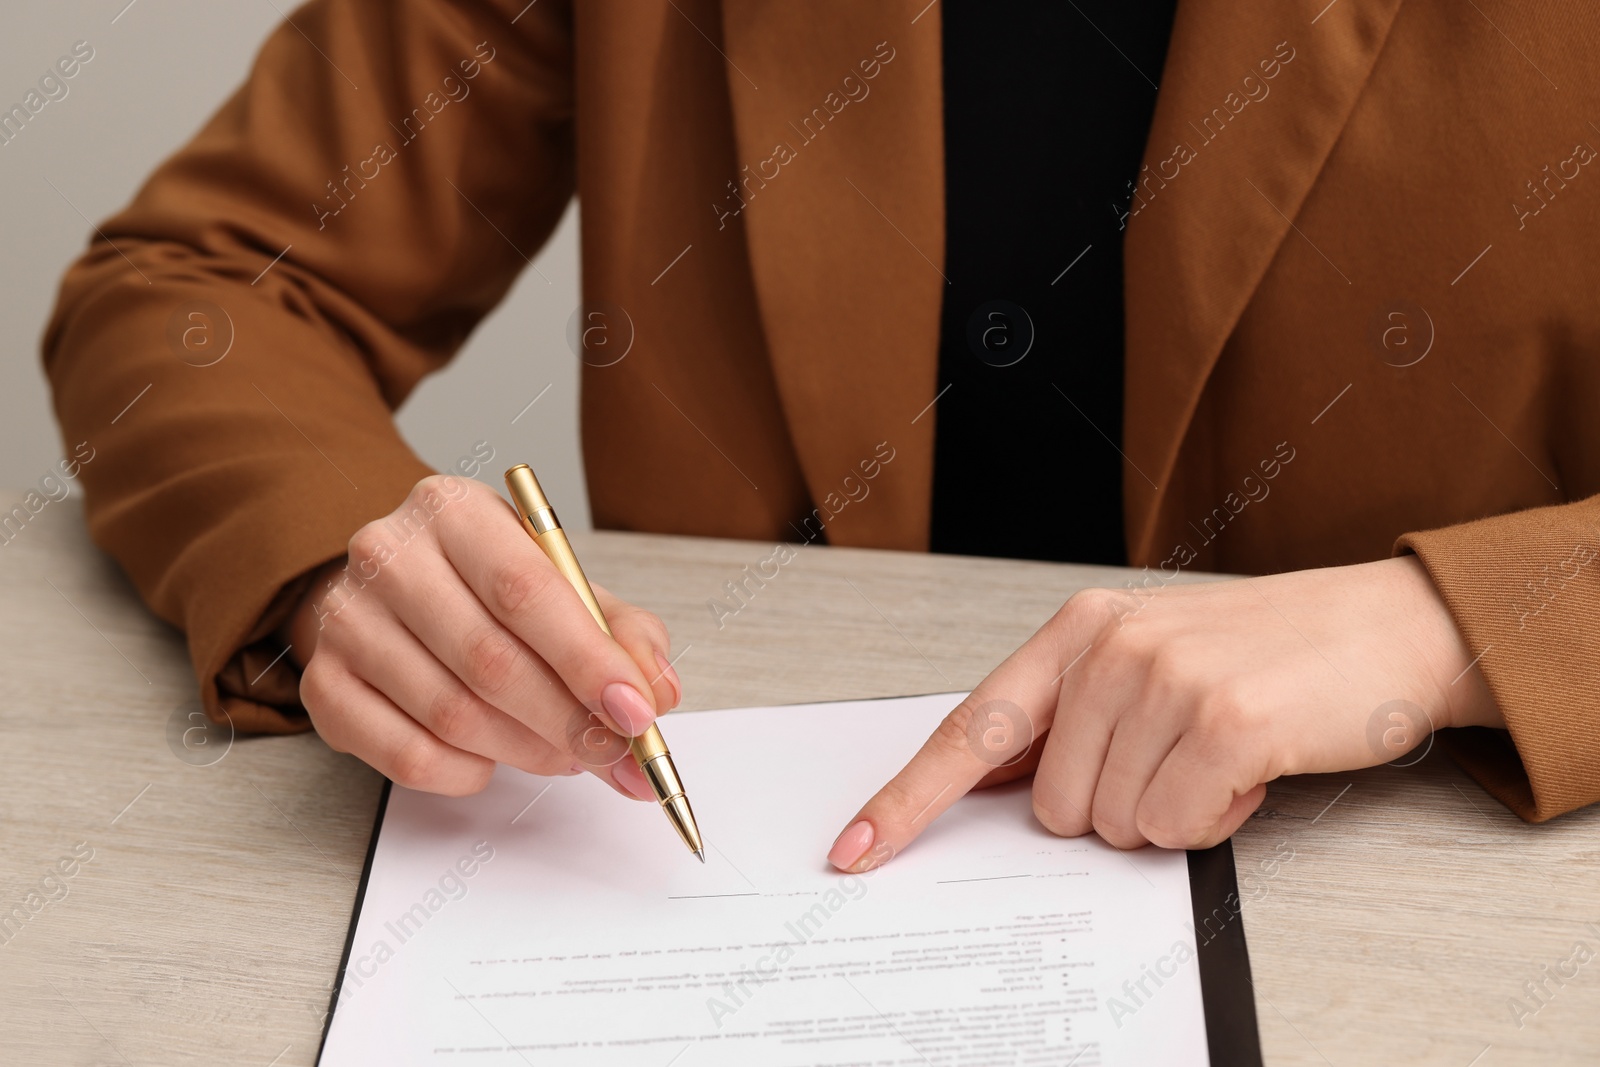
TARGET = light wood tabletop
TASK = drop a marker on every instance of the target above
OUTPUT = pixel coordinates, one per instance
(211, 887)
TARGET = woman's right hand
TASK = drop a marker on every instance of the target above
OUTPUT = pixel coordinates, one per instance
(447, 642)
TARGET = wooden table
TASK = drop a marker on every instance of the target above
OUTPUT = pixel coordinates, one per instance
(207, 925)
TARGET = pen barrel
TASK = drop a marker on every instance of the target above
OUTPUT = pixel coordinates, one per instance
(559, 550)
(649, 749)
(525, 490)
(664, 782)
(648, 746)
(663, 776)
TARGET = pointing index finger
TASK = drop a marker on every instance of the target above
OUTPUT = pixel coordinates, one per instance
(991, 728)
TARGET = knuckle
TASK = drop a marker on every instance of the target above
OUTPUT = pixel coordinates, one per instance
(489, 661)
(416, 764)
(431, 492)
(423, 506)
(452, 714)
(647, 623)
(518, 587)
(550, 763)
(1167, 832)
(1225, 710)
(1095, 601)
(1125, 638)
(1116, 832)
(468, 782)
(334, 618)
(1045, 813)
(368, 542)
(314, 684)
(1166, 675)
(897, 801)
(1094, 608)
(321, 681)
(339, 613)
(655, 628)
(953, 734)
(542, 593)
(316, 696)
(1054, 815)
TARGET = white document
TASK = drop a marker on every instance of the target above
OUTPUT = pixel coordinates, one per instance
(552, 922)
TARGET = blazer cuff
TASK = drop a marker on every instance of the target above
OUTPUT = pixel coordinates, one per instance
(257, 688)
(1524, 589)
(245, 678)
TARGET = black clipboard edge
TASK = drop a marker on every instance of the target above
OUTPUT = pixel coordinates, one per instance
(355, 915)
(1227, 992)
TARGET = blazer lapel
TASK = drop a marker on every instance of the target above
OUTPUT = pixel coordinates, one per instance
(840, 198)
(1253, 97)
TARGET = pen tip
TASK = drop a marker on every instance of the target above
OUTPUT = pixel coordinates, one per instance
(700, 854)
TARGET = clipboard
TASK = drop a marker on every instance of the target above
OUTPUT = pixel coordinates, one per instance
(1221, 951)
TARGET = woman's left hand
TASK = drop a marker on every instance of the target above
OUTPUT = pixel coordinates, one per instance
(1159, 715)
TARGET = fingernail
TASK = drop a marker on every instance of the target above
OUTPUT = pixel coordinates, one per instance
(671, 676)
(851, 845)
(624, 704)
(631, 778)
(577, 768)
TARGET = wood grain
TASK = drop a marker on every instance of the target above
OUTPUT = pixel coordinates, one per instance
(209, 922)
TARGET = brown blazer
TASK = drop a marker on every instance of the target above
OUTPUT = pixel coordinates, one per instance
(1361, 314)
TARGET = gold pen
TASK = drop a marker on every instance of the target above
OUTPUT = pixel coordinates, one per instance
(649, 748)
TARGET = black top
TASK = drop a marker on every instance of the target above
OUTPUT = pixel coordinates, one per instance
(1046, 110)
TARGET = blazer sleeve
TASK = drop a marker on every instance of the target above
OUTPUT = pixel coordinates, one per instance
(1524, 589)
(228, 353)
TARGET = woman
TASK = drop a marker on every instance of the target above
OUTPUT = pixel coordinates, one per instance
(892, 230)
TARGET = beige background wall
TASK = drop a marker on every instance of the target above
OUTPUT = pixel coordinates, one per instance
(160, 68)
